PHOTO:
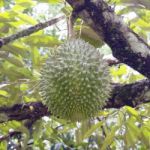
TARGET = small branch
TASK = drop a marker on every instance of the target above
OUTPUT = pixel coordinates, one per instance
(10, 134)
(112, 62)
(30, 30)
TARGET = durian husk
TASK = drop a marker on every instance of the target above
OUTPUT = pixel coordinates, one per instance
(75, 81)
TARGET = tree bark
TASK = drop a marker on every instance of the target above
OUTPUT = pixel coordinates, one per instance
(126, 45)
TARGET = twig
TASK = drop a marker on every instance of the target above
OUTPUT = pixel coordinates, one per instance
(28, 31)
(112, 62)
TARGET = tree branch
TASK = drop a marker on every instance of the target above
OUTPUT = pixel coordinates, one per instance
(30, 30)
(126, 45)
(10, 134)
(32, 111)
(130, 94)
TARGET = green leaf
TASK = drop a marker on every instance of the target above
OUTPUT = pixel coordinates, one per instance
(3, 145)
(142, 24)
(17, 49)
(1, 3)
(132, 111)
(7, 16)
(133, 128)
(13, 72)
(109, 138)
(145, 135)
(35, 57)
(4, 93)
(42, 40)
(5, 128)
(19, 8)
(92, 129)
(23, 87)
(15, 61)
(131, 135)
(67, 10)
(122, 70)
(25, 3)
(121, 118)
(26, 18)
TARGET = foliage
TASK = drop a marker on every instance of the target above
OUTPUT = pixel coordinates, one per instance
(20, 63)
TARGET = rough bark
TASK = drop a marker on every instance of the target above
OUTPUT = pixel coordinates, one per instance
(126, 45)
(131, 95)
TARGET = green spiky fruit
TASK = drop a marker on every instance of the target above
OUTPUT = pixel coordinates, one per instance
(75, 81)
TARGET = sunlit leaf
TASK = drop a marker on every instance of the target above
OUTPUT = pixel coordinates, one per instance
(15, 61)
(25, 3)
(26, 18)
(132, 111)
(23, 87)
(42, 40)
(109, 138)
(4, 93)
(92, 129)
(1, 3)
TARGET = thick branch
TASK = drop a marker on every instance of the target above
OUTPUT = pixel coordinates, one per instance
(30, 30)
(131, 95)
(32, 111)
(126, 45)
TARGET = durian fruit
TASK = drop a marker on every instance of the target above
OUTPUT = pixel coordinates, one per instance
(75, 81)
